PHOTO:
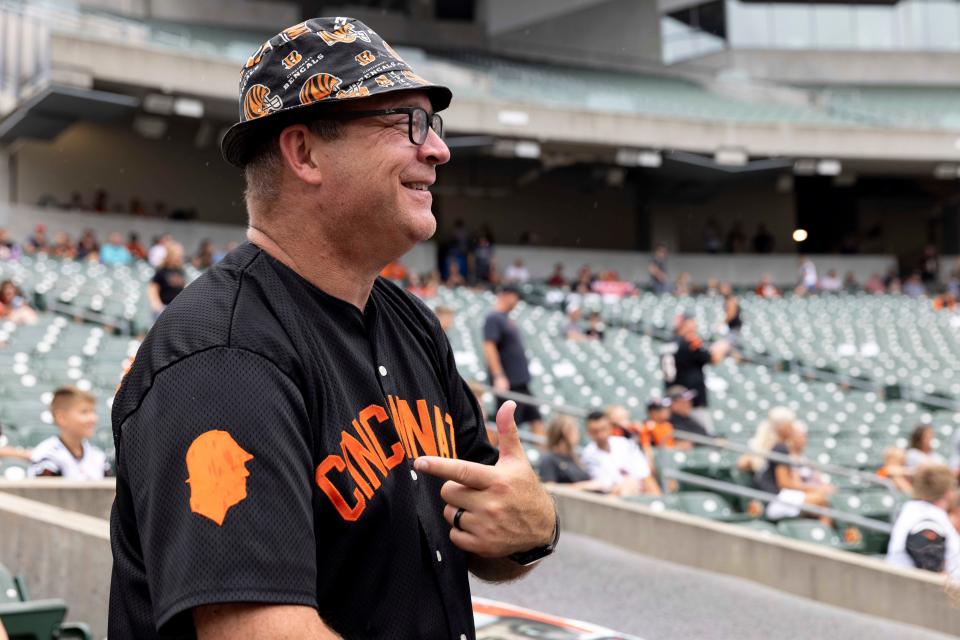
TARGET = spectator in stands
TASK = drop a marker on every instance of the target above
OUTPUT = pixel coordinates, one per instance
(517, 272)
(946, 301)
(681, 411)
(137, 208)
(13, 306)
(158, 250)
(616, 463)
(783, 478)
(168, 280)
(444, 317)
(763, 241)
(953, 280)
(70, 454)
(923, 535)
(831, 283)
(850, 284)
(808, 276)
(681, 288)
(657, 431)
(913, 286)
(62, 247)
(874, 284)
(8, 248)
(766, 288)
(736, 239)
(765, 438)
(682, 362)
(921, 448)
(620, 421)
(483, 259)
(114, 251)
(584, 282)
(100, 200)
(713, 288)
(557, 279)
(204, 256)
(712, 242)
(136, 249)
(561, 464)
(659, 271)
(87, 247)
(732, 315)
(506, 358)
(930, 266)
(572, 329)
(895, 470)
(37, 242)
(596, 329)
(454, 275)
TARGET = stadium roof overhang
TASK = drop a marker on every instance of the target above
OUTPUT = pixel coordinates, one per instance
(55, 108)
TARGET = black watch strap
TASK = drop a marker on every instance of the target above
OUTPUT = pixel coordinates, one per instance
(527, 558)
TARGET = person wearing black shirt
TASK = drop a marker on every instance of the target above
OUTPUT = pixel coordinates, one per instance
(297, 455)
(682, 362)
(506, 356)
(681, 411)
(168, 280)
(560, 464)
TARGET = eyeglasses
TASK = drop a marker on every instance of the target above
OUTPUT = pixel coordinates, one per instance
(419, 122)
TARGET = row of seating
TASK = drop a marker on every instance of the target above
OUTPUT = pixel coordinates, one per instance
(25, 619)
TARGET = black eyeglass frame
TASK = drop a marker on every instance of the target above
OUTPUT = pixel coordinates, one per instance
(433, 121)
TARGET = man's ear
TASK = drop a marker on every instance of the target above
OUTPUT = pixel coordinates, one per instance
(300, 150)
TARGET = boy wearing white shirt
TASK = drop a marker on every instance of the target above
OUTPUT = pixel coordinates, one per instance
(923, 536)
(616, 462)
(70, 454)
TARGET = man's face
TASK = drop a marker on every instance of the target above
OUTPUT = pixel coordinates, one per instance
(681, 406)
(509, 300)
(599, 431)
(376, 181)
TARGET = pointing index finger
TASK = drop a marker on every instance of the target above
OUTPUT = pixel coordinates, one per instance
(469, 474)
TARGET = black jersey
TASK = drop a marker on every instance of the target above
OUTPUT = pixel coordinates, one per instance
(265, 437)
(682, 363)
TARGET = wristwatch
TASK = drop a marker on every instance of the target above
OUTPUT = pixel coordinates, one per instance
(533, 556)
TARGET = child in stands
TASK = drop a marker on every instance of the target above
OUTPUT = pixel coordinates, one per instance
(70, 455)
(895, 469)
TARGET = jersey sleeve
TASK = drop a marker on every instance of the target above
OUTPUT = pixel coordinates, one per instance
(218, 460)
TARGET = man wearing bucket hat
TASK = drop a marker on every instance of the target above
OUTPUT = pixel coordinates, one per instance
(297, 455)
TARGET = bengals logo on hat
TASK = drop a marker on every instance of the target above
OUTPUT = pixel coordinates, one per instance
(410, 75)
(217, 469)
(318, 87)
(344, 34)
(254, 60)
(292, 33)
(384, 81)
(356, 91)
(258, 102)
(365, 57)
(292, 60)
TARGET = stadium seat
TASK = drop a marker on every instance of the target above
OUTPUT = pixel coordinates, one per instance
(709, 505)
(816, 532)
(11, 588)
(669, 501)
(40, 620)
(760, 526)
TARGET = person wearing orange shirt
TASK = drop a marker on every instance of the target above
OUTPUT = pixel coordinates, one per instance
(394, 271)
(657, 430)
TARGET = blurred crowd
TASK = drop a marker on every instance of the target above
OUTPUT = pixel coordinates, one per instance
(102, 202)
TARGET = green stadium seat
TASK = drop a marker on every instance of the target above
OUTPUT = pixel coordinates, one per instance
(669, 501)
(40, 620)
(760, 526)
(709, 505)
(11, 589)
(816, 532)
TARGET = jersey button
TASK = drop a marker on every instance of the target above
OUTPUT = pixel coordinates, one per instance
(413, 474)
(463, 636)
(383, 370)
(439, 557)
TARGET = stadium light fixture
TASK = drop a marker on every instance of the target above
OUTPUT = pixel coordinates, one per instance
(188, 107)
(517, 149)
(638, 158)
(731, 157)
(829, 168)
(799, 235)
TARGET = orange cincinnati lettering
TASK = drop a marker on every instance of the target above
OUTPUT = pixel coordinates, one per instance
(362, 455)
(377, 412)
(346, 512)
(399, 426)
(422, 432)
(441, 430)
(453, 435)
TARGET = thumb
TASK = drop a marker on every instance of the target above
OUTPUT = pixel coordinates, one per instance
(507, 435)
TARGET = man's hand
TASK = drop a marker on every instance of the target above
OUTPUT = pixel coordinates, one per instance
(501, 383)
(506, 509)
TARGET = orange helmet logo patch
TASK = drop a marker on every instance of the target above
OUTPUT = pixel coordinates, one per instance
(357, 91)
(258, 102)
(344, 34)
(384, 81)
(217, 470)
(318, 87)
(365, 58)
(294, 32)
(292, 60)
(254, 60)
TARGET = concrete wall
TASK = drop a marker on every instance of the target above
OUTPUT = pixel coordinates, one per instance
(60, 554)
(94, 499)
(838, 578)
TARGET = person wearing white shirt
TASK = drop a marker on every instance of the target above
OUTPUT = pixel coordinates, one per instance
(615, 462)
(70, 454)
(517, 272)
(923, 535)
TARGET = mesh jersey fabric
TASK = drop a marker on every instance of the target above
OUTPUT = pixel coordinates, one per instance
(265, 436)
